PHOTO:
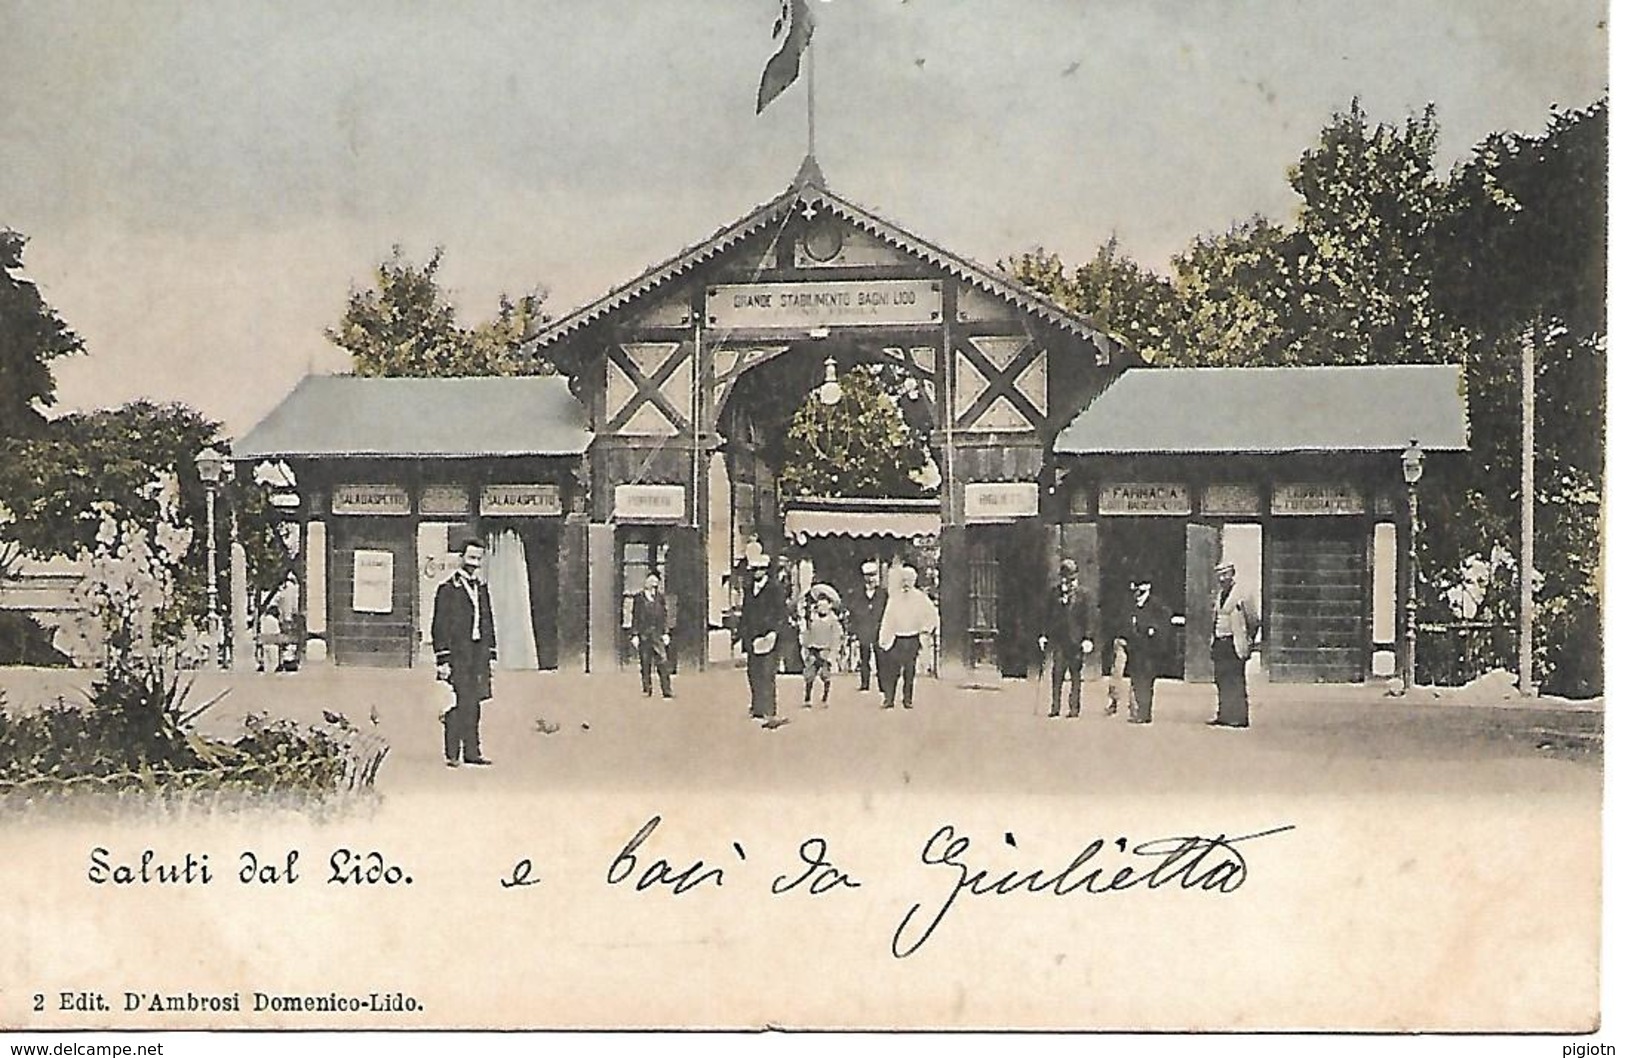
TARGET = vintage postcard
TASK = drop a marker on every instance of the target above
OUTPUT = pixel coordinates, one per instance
(824, 514)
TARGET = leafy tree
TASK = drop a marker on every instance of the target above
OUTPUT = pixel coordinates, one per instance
(1115, 293)
(1520, 258)
(406, 326)
(60, 489)
(860, 446)
(1236, 298)
(1360, 257)
(1389, 261)
(32, 335)
(63, 480)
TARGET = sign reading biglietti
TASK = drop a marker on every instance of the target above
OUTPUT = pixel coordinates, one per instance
(840, 303)
(1000, 501)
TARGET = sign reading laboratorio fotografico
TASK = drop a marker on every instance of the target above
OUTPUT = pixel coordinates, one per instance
(650, 503)
(1000, 501)
(1316, 499)
(373, 587)
(841, 303)
(521, 501)
(371, 499)
(1144, 498)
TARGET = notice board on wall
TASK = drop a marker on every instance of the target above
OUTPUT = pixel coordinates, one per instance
(373, 590)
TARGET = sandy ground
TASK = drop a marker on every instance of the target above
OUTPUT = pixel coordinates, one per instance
(1442, 870)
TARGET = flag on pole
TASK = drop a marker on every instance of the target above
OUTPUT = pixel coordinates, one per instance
(795, 26)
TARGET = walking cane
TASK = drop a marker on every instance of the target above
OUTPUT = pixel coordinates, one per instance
(1044, 660)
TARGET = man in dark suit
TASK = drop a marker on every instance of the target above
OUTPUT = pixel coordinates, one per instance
(465, 644)
(1147, 632)
(761, 622)
(1068, 635)
(866, 608)
(651, 635)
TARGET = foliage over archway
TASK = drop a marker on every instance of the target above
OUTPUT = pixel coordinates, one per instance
(858, 447)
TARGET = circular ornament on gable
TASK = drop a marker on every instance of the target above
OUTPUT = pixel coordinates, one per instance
(822, 242)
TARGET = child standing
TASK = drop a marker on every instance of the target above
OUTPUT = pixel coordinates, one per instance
(821, 638)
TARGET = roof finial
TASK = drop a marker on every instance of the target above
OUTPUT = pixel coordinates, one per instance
(809, 175)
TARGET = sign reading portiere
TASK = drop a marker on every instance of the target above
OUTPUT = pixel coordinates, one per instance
(1317, 499)
(1000, 501)
(842, 303)
(1144, 498)
(521, 501)
(371, 499)
(650, 503)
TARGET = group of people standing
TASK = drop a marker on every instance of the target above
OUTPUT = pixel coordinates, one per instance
(1142, 646)
(887, 629)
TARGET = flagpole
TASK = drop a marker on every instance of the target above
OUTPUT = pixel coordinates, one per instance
(812, 46)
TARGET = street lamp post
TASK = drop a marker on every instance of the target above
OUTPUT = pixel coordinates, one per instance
(211, 468)
(1411, 463)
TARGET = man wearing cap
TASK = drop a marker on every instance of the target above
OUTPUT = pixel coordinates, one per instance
(1235, 626)
(761, 619)
(465, 644)
(1068, 635)
(866, 608)
(1147, 635)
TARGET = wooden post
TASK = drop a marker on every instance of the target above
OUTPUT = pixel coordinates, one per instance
(1526, 565)
(242, 635)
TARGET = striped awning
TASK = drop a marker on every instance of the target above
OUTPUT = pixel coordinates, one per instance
(900, 524)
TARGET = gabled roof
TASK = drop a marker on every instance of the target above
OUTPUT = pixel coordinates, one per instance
(340, 415)
(809, 191)
(1273, 409)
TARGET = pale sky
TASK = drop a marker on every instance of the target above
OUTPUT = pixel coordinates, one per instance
(203, 181)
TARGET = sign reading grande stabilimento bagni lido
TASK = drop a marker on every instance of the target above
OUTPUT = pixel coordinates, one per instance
(840, 303)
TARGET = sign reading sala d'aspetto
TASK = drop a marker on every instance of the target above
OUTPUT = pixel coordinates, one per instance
(838, 303)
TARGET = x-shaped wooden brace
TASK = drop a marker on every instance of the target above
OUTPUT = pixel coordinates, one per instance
(1001, 382)
(648, 387)
(723, 383)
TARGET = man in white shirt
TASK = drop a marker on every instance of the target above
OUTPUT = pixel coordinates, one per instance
(910, 614)
(1235, 626)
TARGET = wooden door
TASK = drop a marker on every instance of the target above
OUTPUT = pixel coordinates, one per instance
(1317, 581)
(372, 623)
(1201, 555)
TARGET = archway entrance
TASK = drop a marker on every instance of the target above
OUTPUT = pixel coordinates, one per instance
(826, 445)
